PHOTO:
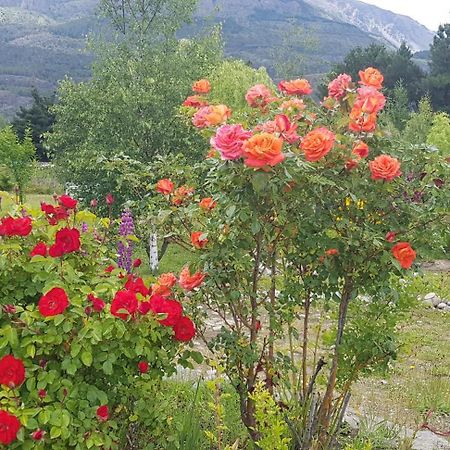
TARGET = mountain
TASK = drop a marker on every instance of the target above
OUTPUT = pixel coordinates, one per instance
(43, 40)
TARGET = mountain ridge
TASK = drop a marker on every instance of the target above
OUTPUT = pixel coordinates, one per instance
(42, 40)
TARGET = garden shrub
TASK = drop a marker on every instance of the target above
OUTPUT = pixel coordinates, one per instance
(83, 344)
(304, 206)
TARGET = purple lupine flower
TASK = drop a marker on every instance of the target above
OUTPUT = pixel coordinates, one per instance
(125, 246)
(84, 227)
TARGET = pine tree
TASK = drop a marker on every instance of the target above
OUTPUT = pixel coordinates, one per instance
(37, 119)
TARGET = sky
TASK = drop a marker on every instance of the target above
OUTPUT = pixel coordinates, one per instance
(430, 13)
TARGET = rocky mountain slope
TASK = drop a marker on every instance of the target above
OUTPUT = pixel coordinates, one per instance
(43, 40)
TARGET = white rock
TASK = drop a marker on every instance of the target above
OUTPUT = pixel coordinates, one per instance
(426, 440)
(441, 305)
(430, 296)
(436, 301)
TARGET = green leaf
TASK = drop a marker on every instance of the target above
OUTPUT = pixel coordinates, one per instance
(86, 358)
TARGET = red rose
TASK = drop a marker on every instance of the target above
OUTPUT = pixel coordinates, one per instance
(198, 240)
(67, 241)
(9, 309)
(385, 167)
(9, 427)
(39, 249)
(67, 201)
(172, 308)
(124, 304)
(15, 227)
(109, 269)
(103, 413)
(54, 213)
(404, 254)
(350, 164)
(184, 329)
(98, 304)
(37, 435)
(143, 366)
(94, 203)
(332, 252)
(42, 393)
(189, 282)
(137, 262)
(390, 236)
(164, 186)
(12, 371)
(136, 285)
(144, 308)
(54, 302)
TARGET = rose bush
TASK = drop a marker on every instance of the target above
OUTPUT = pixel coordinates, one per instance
(83, 344)
(315, 207)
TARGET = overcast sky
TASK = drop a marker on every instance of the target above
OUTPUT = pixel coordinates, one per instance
(429, 12)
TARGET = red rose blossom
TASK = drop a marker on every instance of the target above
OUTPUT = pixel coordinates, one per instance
(98, 304)
(9, 427)
(54, 302)
(137, 262)
(37, 435)
(124, 304)
(102, 413)
(184, 329)
(404, 254)
(136, 285)
(67, 241)
(390, 236)
(172, 309)
(198, 240)
(39, 249)
(10, 226)
(143, 366)
(42, 393)
(67, 201)
(12, 371)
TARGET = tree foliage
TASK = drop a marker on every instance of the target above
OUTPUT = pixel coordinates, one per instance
(36, 119)
(18, 157)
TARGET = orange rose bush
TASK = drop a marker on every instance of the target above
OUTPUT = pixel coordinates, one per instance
(84, 343)
(304, 196)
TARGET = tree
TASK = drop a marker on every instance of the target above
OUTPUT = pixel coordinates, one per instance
(18, 157)
(439, 135)
(129, 109)
(3, 122)
(438, 83)
(397, 110)
(419, 125)
(38, 119)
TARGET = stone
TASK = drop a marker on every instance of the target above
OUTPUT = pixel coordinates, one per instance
(441, 305)
(436, 300)
(430, 296)
(426, 440)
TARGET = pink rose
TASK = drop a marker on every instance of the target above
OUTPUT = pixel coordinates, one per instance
(258, 96)
(369, 100)
(229, 140)
(338, 87)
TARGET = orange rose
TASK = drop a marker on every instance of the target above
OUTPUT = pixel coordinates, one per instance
(263, 149)
(208, 116)
(164, 186)
(384, 167)
(351, 164)
(164, 284)
(181, 194)
(404, 254)
(189, 282)
(201, 86)
(332, 252)
(317, 143)
(360, 122)
(207, 204)
(371, 77)
(361, 149)
(198, 240)
(295, 87)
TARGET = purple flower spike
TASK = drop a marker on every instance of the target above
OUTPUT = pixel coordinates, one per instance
(125, 246)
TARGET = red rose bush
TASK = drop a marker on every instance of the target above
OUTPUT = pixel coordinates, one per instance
(79, 337)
